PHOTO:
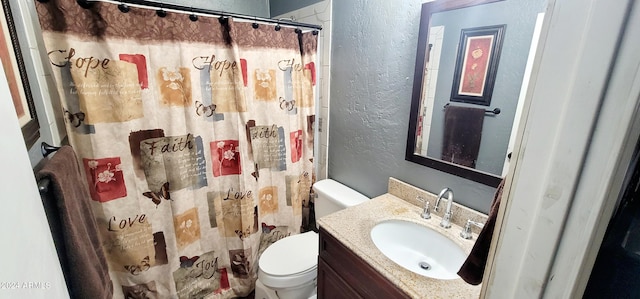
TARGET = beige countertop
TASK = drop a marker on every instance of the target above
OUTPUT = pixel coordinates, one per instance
(352, 227)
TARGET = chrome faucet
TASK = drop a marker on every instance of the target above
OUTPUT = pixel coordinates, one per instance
(446, 219)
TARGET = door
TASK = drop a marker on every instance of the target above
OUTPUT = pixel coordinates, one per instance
(617, 268)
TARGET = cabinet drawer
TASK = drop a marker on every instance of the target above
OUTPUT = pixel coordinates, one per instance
(330, 285)
(354, 271)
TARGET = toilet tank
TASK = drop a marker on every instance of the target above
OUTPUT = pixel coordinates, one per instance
(333, 196)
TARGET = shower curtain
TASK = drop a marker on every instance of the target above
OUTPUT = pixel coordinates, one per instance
(195, 136)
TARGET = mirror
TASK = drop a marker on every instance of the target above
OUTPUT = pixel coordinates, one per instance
(470, 68)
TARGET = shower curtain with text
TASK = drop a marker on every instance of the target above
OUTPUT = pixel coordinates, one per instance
(195, 136)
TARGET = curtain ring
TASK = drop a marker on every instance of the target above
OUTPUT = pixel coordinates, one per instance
(123, 7)
(255, 24)
(278, 27)
(193, 16)
(223, 20)
(84, 4)
(161, 12)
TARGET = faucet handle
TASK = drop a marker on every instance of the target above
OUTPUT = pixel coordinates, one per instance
(426, 214)
(466, 231)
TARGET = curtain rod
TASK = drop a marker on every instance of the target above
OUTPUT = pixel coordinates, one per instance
(162, 6)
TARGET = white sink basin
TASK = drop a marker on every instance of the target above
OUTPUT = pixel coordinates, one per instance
(418, 248)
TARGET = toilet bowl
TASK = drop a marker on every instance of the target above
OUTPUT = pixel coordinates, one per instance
(288, 269)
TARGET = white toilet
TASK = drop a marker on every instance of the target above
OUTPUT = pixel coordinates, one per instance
(288, 268)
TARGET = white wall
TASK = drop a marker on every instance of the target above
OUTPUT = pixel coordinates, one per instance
(39, 75)
(28, 259)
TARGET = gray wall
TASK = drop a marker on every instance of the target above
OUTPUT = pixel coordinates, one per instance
(520, 18)
(279, 7)
(373, 55)
(258, 8)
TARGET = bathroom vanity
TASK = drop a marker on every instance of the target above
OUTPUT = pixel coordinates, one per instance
(342, 274)
(351, 266)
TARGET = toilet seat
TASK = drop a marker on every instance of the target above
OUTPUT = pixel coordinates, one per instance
(290, 262)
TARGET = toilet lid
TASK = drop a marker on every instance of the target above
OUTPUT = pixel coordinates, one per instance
(291, 255)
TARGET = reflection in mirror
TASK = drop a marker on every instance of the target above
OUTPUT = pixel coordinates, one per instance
(472, 61)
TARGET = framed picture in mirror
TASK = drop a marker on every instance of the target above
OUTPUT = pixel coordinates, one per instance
(476, 64)
(15, 71)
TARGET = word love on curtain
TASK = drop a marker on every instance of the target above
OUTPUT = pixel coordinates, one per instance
(196, 139)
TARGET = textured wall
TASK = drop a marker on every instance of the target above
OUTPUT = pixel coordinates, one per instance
(373, 56)
(279, 7)
(258, 8)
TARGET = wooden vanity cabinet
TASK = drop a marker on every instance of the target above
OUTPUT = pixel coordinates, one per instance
(342, 274)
